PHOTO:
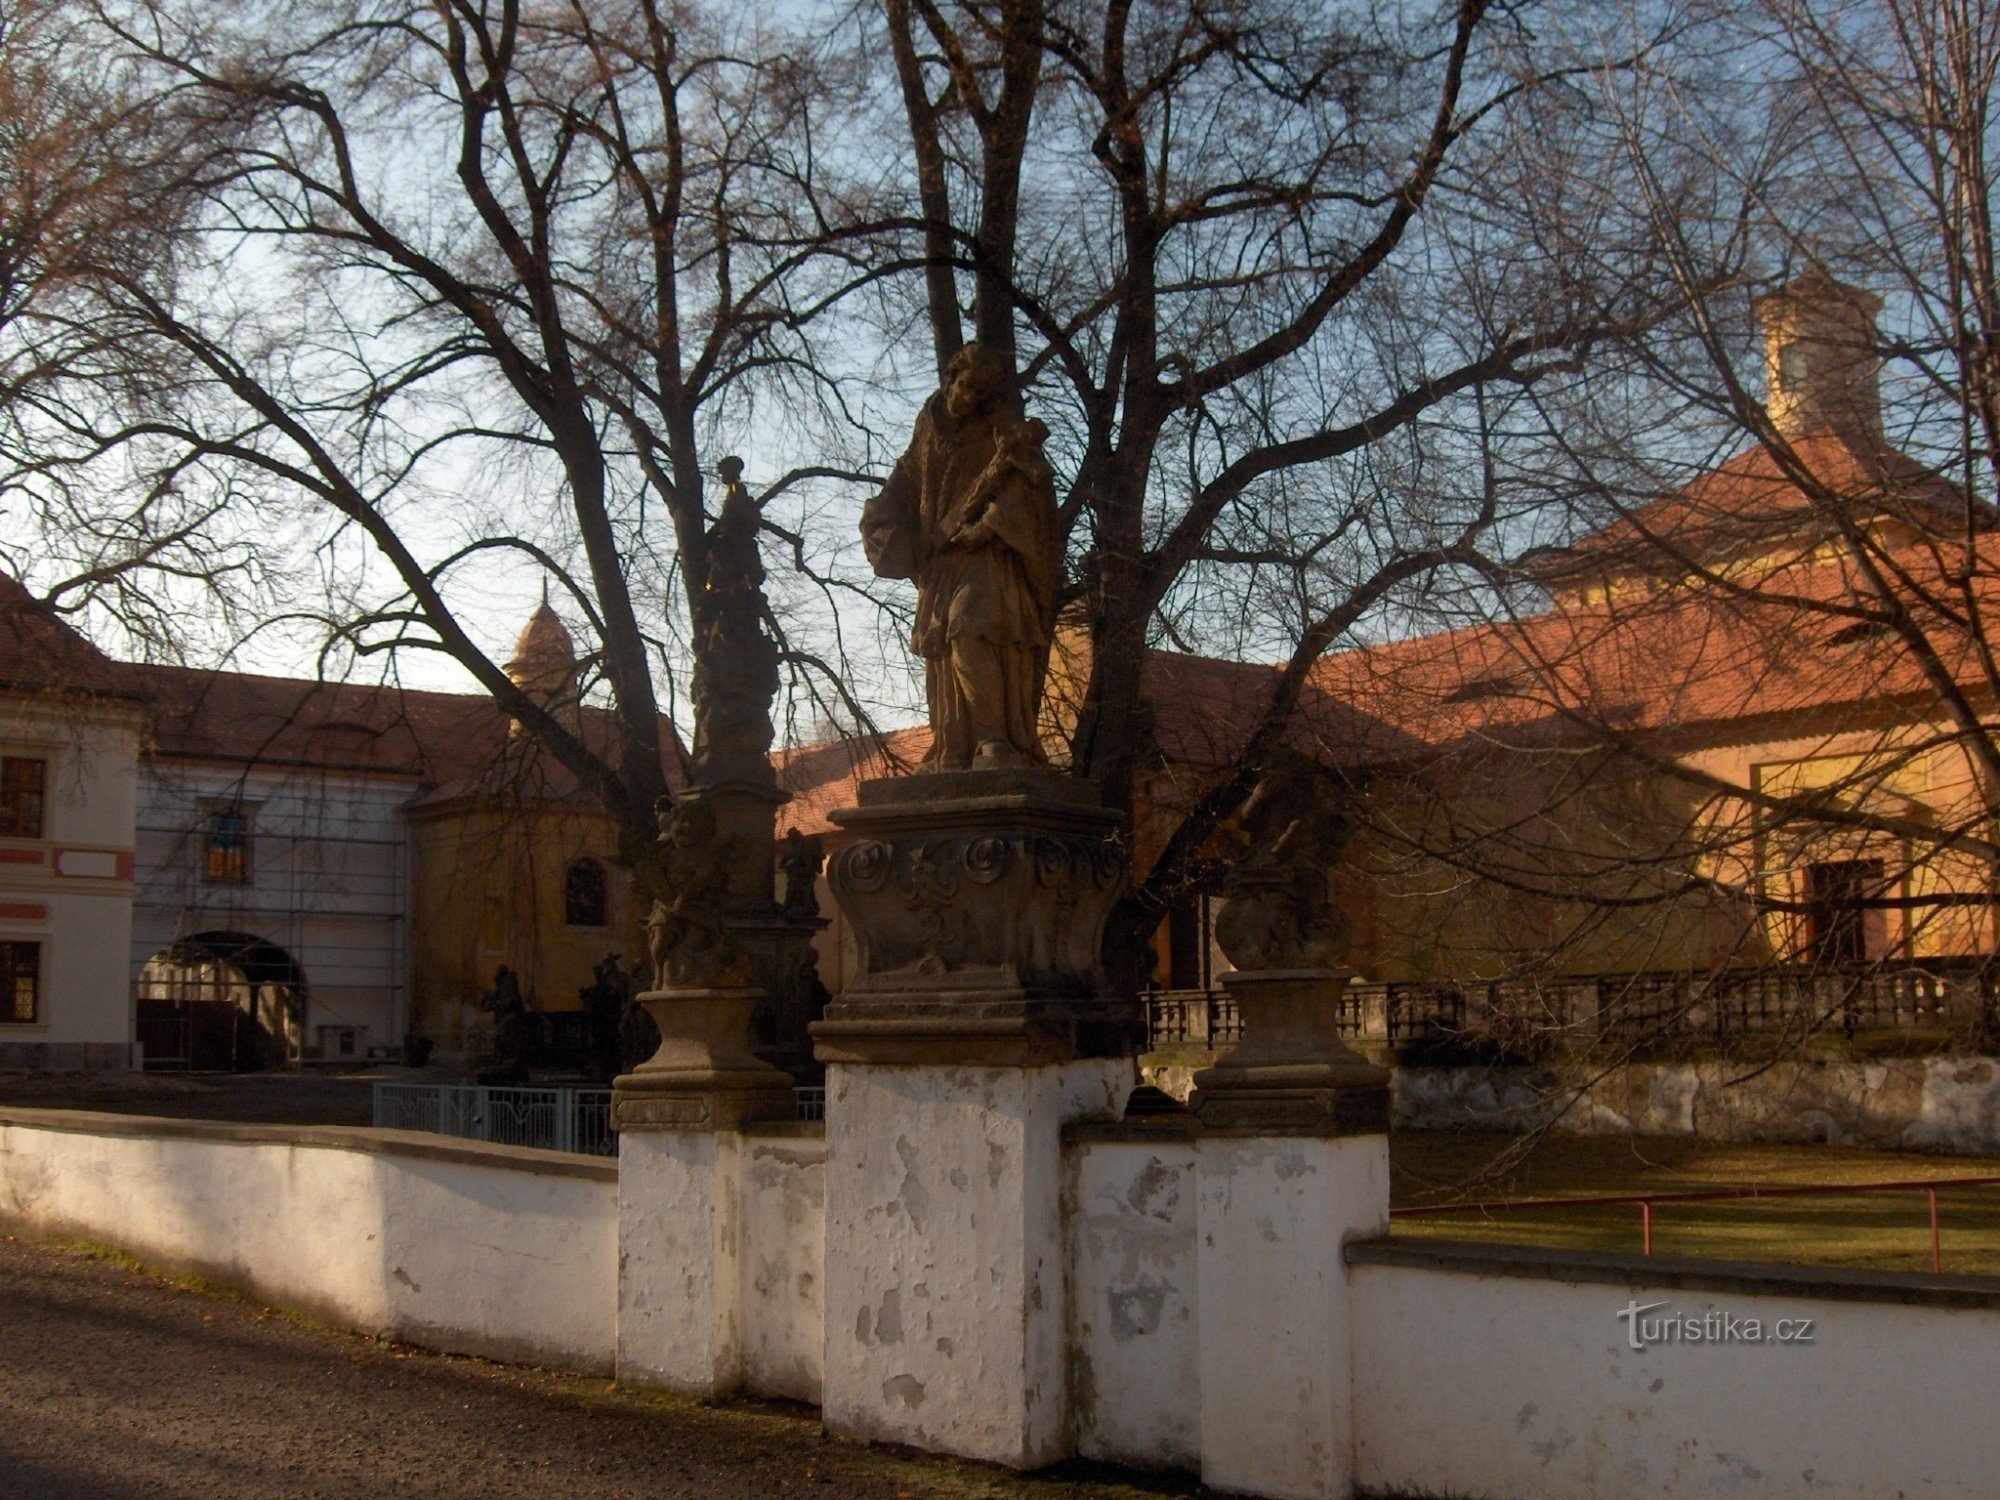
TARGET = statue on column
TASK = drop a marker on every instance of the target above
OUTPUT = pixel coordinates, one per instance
(969, 513)
(736, 669)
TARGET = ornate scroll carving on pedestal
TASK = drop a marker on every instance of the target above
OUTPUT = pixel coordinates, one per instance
(977, 903)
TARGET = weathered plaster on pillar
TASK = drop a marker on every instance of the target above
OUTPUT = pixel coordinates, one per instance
(1276, 1329)
(678, 1232)
(945, 1295)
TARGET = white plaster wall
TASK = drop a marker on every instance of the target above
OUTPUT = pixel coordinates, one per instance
(1135, 1370)
(472, 1254)
(677, 1256)
(1476, 1386)
(70, 875)
(783, 1283)
(86, 996)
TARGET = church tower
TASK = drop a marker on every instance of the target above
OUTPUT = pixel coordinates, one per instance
(544, 662)
(1821, 368)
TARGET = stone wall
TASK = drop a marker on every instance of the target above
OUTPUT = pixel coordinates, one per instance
(1943, 1104)
(1486, 1372)
(1225, 1304)
(1947, 1104)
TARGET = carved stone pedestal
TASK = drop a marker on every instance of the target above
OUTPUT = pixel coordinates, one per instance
(704, 1076)
(1291, 1074)
(977, 902)
(976, 1026)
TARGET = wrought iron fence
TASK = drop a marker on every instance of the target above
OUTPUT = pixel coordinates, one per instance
(551, 1119)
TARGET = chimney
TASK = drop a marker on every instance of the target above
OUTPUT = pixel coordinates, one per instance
(1820, 366)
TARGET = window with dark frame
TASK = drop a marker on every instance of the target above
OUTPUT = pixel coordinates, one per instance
(225, 847)
(20, 983)
(24, 783)
(1839, 895)
(586, 901)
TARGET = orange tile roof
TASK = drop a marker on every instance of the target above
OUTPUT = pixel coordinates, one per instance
(1680, 660)
(824, 776)
(41, 652)
(1751, 503)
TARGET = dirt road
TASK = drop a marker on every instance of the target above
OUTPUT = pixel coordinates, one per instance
(114, 1383)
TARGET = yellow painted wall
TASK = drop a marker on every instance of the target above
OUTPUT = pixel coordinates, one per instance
(487, 888)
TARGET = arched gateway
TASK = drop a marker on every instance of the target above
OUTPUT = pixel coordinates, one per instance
(221, 1000)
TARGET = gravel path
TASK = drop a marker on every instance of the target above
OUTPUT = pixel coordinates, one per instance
(115, 1383)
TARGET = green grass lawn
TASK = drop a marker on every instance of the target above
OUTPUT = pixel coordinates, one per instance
(1884, 1231)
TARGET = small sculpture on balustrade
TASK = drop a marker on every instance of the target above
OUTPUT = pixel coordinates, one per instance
(801, 857)
(687, 937)
(606, 999)
(1277, 911)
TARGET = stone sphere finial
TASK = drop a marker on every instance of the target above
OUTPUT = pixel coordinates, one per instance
(731, 470)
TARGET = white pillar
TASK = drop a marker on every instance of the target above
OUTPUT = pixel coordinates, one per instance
(1291, 1162)
(679, 1240)
(946, 1278)
(1276, 1333)
(680, 1152)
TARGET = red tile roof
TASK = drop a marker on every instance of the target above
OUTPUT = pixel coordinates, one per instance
(1750, 502)
(823, 777)
(40, 652)
(1678, 659)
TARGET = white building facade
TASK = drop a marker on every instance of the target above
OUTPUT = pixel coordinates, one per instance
(69, 745)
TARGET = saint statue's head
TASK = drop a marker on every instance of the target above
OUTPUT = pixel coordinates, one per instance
(975, 380)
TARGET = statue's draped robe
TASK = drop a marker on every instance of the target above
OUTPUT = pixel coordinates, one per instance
(999, 592)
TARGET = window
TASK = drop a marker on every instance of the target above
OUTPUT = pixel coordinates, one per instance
(23, 782)
(225, 847)
(20, 982)
(1839, 896)
(584, 900)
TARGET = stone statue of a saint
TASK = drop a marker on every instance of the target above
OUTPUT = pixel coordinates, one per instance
(970, 514)
(736, 671)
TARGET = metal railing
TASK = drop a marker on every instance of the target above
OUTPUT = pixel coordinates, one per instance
(1647, 1202)
(550, 1119)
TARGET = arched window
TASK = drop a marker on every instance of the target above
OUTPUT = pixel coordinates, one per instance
(584, 900)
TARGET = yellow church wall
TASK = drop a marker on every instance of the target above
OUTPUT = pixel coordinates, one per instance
(488, 888)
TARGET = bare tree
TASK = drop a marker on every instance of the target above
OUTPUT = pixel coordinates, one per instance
(1746, 718)
(435, 263)
(1279, 275)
